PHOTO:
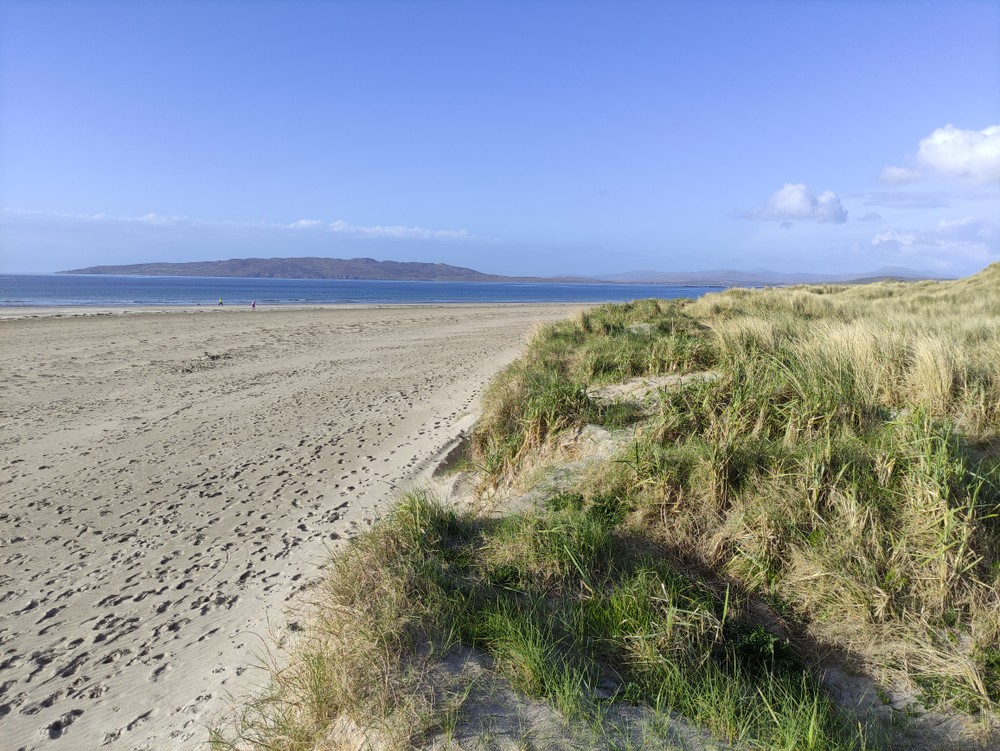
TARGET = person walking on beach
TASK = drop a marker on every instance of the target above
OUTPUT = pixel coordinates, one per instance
(253, 305)
(220, 302)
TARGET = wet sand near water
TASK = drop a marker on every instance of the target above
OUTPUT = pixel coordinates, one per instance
(171, 479)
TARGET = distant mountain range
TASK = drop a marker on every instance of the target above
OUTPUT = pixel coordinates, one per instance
(368, 268)
(762, 277)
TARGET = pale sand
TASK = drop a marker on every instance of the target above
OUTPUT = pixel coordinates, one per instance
(171, 479)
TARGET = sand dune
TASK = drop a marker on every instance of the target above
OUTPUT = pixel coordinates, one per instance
(172, 479)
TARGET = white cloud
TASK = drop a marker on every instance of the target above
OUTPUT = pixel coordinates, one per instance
(972, 155)
(895, 240)
(796, 201)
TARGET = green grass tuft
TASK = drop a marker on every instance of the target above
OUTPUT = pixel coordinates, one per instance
(836, 482)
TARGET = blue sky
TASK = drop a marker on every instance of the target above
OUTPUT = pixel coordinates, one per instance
(512, 137)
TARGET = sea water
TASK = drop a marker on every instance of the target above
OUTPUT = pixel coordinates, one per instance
(111, 291)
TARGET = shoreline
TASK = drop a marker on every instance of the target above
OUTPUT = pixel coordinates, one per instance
(175, 481)
(17, 312)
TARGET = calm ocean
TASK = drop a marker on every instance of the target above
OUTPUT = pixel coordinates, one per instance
(88, 289)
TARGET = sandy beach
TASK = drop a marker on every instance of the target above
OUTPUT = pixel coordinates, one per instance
(172, 479)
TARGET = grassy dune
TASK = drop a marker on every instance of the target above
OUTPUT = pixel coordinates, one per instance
(823, 501)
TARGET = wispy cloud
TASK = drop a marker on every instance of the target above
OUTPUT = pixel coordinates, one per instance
(150, 218)
(966, 239)
(899, 175)
(339, 227)
(398, 232)
(307, 224)
(902, 199)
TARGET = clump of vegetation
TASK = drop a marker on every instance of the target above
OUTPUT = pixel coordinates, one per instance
(545, 391)
(843, 466)
(833, 488)
(567, 608)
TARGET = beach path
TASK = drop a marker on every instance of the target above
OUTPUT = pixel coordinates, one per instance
(172, 480)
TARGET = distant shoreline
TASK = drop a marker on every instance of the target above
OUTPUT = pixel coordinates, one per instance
(67, 311)
(114, 291)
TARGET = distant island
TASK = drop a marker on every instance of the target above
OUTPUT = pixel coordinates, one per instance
(308, 268)
(369, 268)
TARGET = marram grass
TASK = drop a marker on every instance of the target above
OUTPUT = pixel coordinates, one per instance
(837, 480)
(843, 465)
(567, 610)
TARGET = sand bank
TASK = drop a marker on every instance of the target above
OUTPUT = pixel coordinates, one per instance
(171, 479)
